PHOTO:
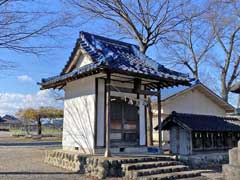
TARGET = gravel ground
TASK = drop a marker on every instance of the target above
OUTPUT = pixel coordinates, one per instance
(27, 163)
(23, 160)
(19, 162)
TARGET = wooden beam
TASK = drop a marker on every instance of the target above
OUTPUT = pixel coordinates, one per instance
(159, 119)
(107, 112)
(137, 84)
(151, 86)
(151, 77)
(133, 91)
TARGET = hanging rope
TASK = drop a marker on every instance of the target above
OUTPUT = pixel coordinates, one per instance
(144, 101)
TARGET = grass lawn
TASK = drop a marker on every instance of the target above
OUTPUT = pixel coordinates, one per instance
(47, 133)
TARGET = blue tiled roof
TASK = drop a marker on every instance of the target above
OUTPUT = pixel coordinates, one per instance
(75, 72)
(197, 122)
(116, 55)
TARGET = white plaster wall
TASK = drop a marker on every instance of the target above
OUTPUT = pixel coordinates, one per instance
(83, 60)
(194, 102)
(79, 112)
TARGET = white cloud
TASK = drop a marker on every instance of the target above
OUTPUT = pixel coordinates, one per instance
(10, 103)
(25, 78)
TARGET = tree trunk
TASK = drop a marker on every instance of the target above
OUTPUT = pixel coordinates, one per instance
(196, 71)
(195, 75)
(143, 48)
(225, 93)
(225, 90)
(39, 125)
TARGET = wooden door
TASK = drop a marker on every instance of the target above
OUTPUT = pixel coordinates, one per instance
(124, 124)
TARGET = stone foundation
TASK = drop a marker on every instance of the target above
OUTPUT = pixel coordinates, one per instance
(96, 165)
(205, 160)
(68, 160)
(231, 171)
(101, 167)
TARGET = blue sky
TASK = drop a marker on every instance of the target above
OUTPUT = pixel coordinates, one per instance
(20, 83)
(19, 87)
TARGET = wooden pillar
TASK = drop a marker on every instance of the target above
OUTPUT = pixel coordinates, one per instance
(149, 123)
(203, 140)
(138, 116)
(107, 115)
(137, 88)
(148, 120)
(214, 140)
(96, 113)
(190, 142)
(224, 140)
(178, 139)
(159, 119)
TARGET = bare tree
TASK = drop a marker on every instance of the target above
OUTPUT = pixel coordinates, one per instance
(24, 25)
(190, 43)
(225, 21)
(146, 21)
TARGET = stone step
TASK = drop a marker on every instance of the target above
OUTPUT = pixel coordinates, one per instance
(150, 164)
(174, 175)
(146, 159)
(151, 171)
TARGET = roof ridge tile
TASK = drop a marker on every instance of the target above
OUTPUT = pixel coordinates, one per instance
(120, 56)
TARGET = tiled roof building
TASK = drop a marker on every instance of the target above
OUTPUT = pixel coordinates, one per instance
(116, 56)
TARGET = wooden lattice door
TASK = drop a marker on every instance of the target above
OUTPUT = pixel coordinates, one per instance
(124, 123)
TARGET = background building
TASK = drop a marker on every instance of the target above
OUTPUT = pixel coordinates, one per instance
(196, 99)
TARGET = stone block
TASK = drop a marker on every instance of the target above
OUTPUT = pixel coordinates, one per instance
(205, 160)
(67, 160)
(233, 156)
(231, 172)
